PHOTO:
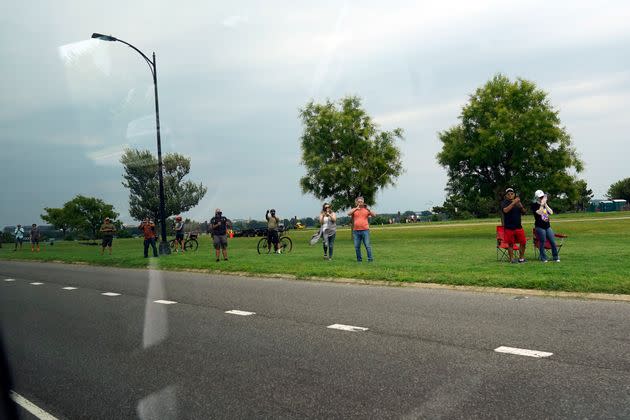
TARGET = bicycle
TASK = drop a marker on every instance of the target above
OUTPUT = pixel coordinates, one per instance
(190, 242)
(285, 244)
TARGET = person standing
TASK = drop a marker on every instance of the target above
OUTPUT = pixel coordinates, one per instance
(179, 233)
(273, 223)
(35, 236)
(541, 211)
(19, 237)
(148, 230)
(219, 225)
(361, 228)
(108, 230)
(328, 222)
(513, 229)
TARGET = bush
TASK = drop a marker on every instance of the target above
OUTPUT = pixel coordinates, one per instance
(123, 233)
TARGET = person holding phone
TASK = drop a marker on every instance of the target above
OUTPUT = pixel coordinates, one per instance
(360, 215)
(542, 211)
(328, 222)
(513, 229)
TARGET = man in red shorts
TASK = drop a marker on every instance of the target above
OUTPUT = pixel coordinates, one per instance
(512, 210)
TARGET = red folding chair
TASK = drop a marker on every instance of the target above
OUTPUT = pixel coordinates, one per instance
(559, 242)
(502, 246)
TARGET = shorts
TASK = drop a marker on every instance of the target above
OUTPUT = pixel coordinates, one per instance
(179, 237)
(35, 241)
(107, 241)
(512, 236)
(272, 236)
(220, 241)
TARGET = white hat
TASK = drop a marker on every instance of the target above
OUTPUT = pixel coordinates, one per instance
(539, 193)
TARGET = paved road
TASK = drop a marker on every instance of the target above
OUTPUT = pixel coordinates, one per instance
(425, 354)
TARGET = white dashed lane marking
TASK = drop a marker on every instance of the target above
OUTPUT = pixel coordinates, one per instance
(242, 313)
(9, 279)
(165, 302)
(36, 283)
(522, 352)
(110, 294)
(343, 327)
(69, 288)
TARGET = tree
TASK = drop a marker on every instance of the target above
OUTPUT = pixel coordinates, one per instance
(81, 214)
(509, 136)
(620, 190)
(141, 177)
(345, 154)
(585, 195)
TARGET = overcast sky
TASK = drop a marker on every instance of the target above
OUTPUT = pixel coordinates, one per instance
(232, 76)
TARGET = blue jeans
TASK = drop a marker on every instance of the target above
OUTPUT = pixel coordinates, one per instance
(362, 236)
(545, 235)
(150, 242)
(329, 242)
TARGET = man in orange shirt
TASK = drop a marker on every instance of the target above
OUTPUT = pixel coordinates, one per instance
(361, 228)
(148, 230)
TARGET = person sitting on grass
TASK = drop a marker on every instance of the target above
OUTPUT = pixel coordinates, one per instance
(108, 230)
(513, 230)
(35, 236)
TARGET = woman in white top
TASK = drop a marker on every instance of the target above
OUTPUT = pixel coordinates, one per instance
(328, 221)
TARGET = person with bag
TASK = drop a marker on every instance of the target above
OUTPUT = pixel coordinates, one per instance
(19, 237)
(328, 222)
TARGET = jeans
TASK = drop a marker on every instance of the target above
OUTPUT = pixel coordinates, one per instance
(329, 242)
(151, 242)
(362, 236)
(545, 235)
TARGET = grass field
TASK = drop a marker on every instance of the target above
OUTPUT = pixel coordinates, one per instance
(594, 257)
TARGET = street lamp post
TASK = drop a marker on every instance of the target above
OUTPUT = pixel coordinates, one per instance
(164, 248)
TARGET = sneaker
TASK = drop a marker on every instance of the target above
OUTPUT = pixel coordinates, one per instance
(557, 261)
(217, 260)
(225, 259)
(544, 261)
(521, 260)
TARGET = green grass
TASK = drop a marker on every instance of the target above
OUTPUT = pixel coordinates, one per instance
(594, 258)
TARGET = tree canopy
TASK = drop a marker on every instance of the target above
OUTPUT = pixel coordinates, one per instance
(509, 135)
(345, 154)
(141, 178)
(620, 189)
(81, 214)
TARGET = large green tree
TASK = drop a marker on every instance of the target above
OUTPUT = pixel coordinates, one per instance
(509, 135)
(345, 154)
(141, 177)
(81, 214)
(620, 189)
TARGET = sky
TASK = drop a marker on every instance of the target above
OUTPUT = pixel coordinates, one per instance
(232, 77)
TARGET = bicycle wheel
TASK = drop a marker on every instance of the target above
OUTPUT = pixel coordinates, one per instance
(262, 247)
(191, 245)
(171, 244)
(286, 244)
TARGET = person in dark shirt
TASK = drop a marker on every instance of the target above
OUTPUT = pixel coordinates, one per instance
(219, 225)
(541, 211)
(513, 230)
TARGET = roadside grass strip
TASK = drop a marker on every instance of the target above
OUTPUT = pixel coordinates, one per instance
(343, 327)
(241, 313)
(165, 302)
(522, 352)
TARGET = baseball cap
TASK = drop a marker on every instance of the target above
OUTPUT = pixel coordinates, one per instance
(509, 190)
(539, 193)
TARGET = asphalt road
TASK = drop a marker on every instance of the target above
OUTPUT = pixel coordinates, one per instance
(425, 354)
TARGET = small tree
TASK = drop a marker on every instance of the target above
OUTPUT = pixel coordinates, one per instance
(81, 214)
(141, 178)
(58, 218)
(345, 154)
(620, 190)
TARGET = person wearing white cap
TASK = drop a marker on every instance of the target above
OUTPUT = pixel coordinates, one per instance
(541, 211)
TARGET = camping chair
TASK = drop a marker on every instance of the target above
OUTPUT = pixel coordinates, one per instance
(502, 246)
(559, 242)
